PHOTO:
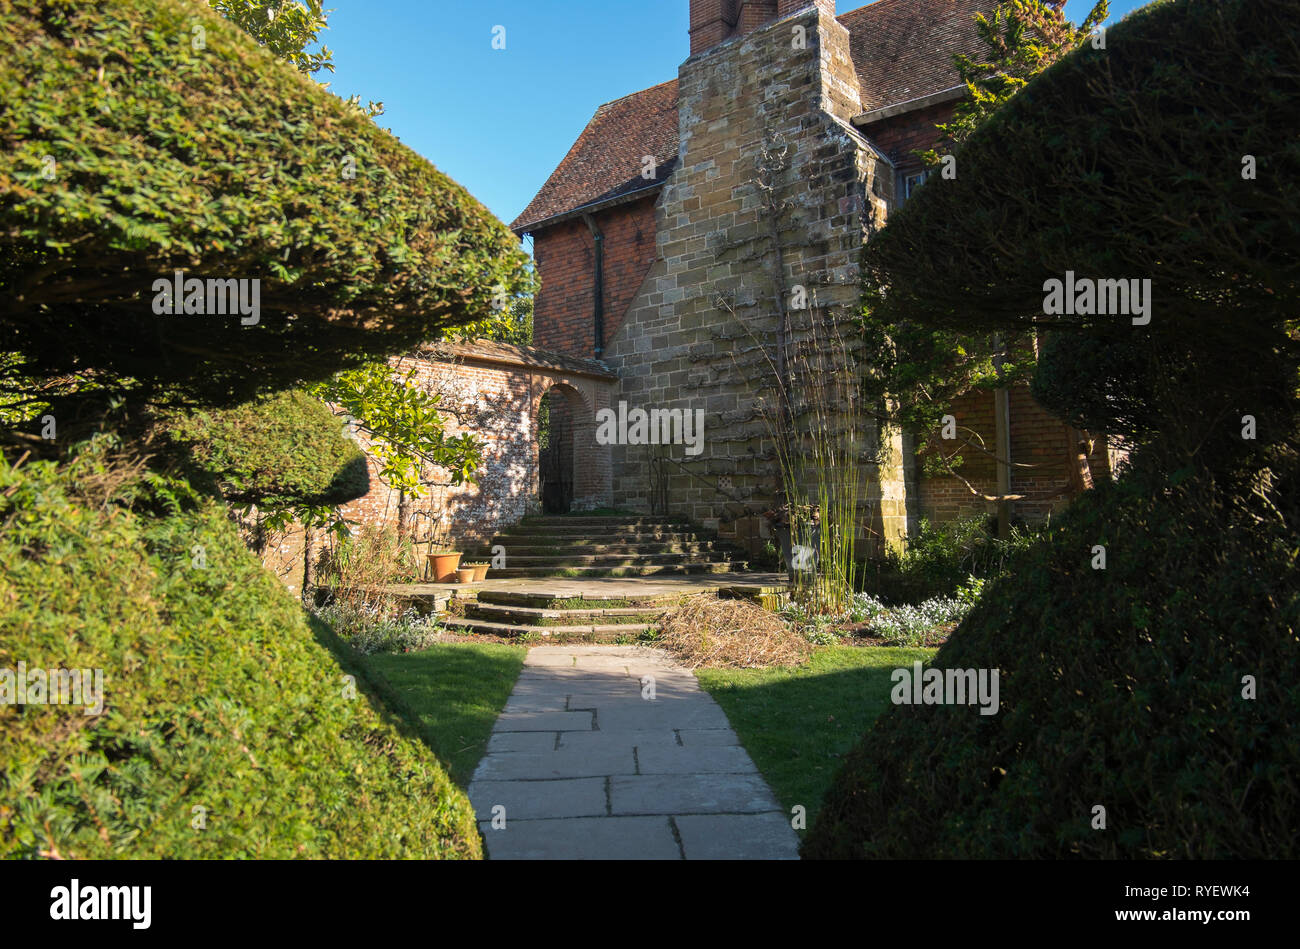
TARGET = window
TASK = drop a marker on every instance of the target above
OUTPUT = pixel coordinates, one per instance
(911, 182)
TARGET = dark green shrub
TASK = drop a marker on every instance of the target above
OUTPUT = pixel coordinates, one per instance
(284, 449)
(220, 694)
(1102, 382)
(175, 149)
(939, 559)
(1156, 158)
(1119, 687)
(1123, 687)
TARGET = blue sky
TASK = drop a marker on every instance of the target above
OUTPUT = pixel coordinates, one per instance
(499, 121)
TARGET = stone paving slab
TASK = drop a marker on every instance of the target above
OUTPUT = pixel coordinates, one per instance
(562, 763)
(736, 837)
(707, 737)
(557, 698)
(525, 800)
(586, 768)
(503, 742)
(691, 794)
(641, 738)
(646, 715)
(731, 759)
(543, 721)
(601, 838)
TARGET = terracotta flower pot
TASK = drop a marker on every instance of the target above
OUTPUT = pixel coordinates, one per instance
(465, 575)
(443, 566)
(480, 572)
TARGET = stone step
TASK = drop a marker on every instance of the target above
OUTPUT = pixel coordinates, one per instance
(548, 618)
(581, 549)
(567, 541)
(676, 531)
(650, 570)
(548, 601)
(606, 560)
(564, 520)
(471, 625)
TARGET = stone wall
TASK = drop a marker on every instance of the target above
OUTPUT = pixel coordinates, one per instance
(773, 109)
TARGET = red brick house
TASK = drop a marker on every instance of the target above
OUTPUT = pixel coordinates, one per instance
(656, 214)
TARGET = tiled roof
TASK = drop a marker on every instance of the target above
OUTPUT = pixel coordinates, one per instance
(606, 160)
(902, 50)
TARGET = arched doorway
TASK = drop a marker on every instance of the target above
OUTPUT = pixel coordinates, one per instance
(555, 428)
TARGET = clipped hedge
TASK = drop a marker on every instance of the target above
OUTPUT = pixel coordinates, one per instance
(284, 449)
(220, 695)
(178, 143)
(1130, 163)
(1120, 687)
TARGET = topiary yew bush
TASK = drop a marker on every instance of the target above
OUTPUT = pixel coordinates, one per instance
(1120, 687)
(1164, 685)
(148, 136)
(280, 450)
(226, 706)
(1154, 158)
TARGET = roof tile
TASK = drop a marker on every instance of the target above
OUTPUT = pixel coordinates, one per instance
(606, 160)
(903, 49)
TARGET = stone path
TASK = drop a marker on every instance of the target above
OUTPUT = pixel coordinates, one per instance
(588, 766)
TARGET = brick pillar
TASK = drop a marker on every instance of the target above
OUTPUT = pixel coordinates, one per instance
(712, 21)
(786, 7)
(753, 14)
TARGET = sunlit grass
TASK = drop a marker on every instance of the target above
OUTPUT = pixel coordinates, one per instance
(797, 723)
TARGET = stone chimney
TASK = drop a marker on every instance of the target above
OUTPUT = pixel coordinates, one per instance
(713, 21)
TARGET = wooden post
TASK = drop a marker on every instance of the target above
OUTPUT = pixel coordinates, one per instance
(308, 537)
(1002, 444)
(1002, 428)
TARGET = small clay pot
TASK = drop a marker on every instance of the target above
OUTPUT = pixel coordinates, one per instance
(465, 575)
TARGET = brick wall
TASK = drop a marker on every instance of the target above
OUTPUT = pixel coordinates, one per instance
(494, 398)
(564, 312)
(1037, 438)
(494, 404)
(785, 7)
(900, 136)
(711, 22)
(753, 14)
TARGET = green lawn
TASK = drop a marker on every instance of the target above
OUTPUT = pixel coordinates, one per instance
(796, 723)
(451, 695)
